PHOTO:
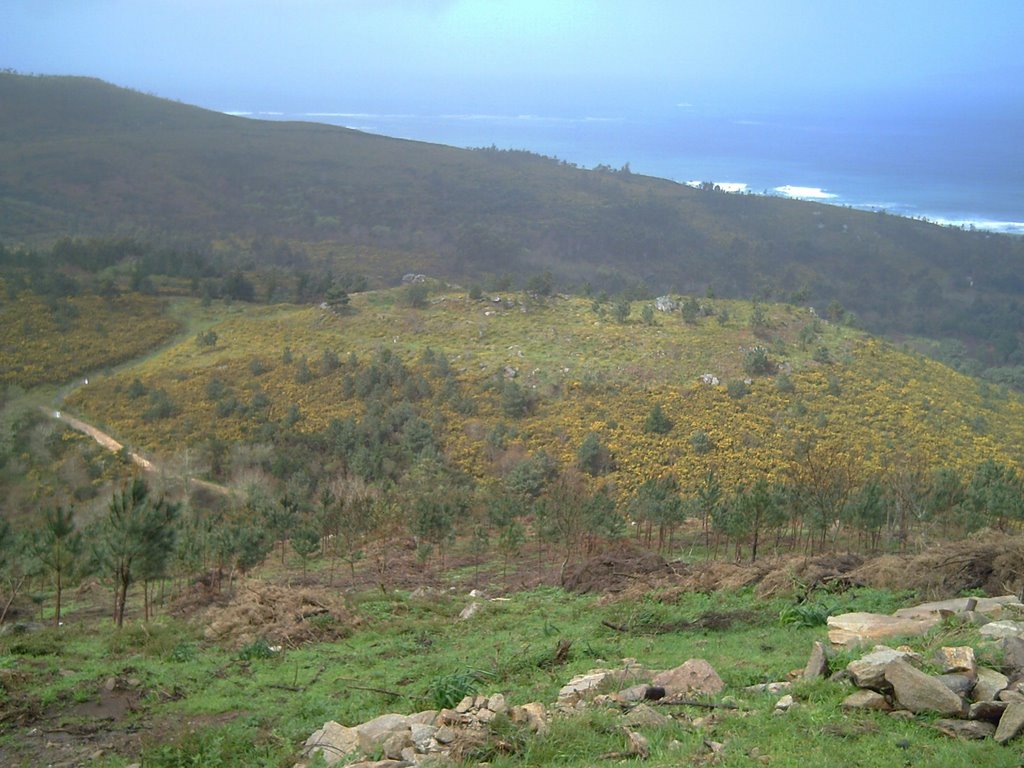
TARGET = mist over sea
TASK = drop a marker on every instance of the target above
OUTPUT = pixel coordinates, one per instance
(963, 167)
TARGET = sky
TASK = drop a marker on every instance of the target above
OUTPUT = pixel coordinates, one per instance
(529, 56)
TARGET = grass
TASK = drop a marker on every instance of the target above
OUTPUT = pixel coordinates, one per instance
(259, 707)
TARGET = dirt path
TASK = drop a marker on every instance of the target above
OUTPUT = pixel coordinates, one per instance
(114, 446)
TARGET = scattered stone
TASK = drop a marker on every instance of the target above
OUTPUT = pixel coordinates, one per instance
(990, 711)
(786, 703)
(1004, 628)
(867, 699)
(989, 684)
(465, 705)
(334, 741)
(484, 715)
(918, 692)
(856, 628)
(469, 611)
(959, 659)
(902, 714)
(1011, 723)
(1013, 655)
(965, 729)
(692, 676)
(817, 664)
(373, 733)
(869, 671)
(777, 687)
(534, 715)
(643, 716)
(961, 685)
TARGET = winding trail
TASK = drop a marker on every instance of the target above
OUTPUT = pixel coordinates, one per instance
(138, 460)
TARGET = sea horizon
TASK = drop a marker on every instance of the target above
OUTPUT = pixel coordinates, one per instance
(941, 170)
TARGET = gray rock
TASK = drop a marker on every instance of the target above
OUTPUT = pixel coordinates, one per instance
(786, 703)
(631, 694)
(817, 664)
(373, 733)
(990, 711)
(444, 735)
(643, 716)
(777, 687)
(1011, 723)
(692, 676)
(1010, 695)
(422, 736)
(469, 611)
(1013, 655)
(965, 729)
(465, 705)
(867, 699)
(1004, 628)
(334, 741)
(396, 743)
(973, 617)
(497, 704)
(961, 685)
(988, 684)
(918, 692)
(869, 671)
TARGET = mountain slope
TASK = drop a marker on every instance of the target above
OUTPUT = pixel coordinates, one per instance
(83, 157)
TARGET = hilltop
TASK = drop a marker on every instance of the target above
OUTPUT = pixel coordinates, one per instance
(82, 157)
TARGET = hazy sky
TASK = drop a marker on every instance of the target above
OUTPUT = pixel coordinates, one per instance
(520, 56)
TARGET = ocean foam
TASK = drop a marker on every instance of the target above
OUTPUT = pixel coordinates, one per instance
(805, 193)
(723, 186)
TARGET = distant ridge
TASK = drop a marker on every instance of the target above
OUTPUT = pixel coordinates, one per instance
(83, 157)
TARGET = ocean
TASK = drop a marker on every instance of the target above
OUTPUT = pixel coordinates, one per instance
(958, 168)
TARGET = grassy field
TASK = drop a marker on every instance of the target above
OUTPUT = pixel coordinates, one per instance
(193, 702)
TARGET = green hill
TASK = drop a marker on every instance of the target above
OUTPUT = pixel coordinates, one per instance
(82, 157)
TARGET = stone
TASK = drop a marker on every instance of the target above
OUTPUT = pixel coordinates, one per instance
(631, 694)
(395, 743)
(692, 676)
(817, 663)
(786, 703)
(1011, 723)
(1013, 655)
(991, 606)
(426, 717)
(867, 699)
(777, 687)
(644, 716)
(484, 715)
(449, 717)
(1004, 628)
(465, 705)
(961, 685)
(918, 692)
(989, 684)
(469, 611)
(857, 628)
(987, 710)
(584, 686)
(902, 714)
(410, 755)
(965, 729)
(869, 670)
(1010, 695)
(973, 617)
(373, 733)
(422, 736)
(532, 715)
(444, 735)
(497, 704)
(958, 659)
(334, 741)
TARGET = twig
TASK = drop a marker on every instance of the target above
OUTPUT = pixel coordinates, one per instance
(616, 627)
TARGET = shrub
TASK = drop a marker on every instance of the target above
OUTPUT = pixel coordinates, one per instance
(701, 442)
(737, 388)
(657, 422)
(756, 362)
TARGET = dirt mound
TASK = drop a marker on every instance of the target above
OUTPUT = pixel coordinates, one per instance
(615, 570)
(989, 561)
(283, 616)
(803, 574)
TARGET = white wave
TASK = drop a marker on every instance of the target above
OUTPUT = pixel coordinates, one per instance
(722, 186)
(237, 113)
(805, 193)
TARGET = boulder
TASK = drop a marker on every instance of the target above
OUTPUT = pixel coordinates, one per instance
(396, 743)
(817, 663)
(692, 676)
(989, 684)
(644, 716)
(990, 606)
(965, 729)
(918, 692)
(961, 685)
(869, 670)
(1003, 628)
(422, 736)
(1013, 655)
(867, 699)
(856, 628)
(990, 711)
(469, 611)
(958, 659)
(532, 715)
(1010, 695)
(373, 733)
(1011, 723)
(334, 741)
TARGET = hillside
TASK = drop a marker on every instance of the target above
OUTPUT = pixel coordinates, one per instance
(490, 382)
(82, 157)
